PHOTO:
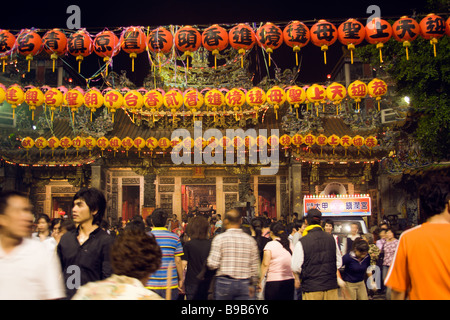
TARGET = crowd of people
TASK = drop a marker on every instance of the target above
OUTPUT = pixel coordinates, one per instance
(217, 257)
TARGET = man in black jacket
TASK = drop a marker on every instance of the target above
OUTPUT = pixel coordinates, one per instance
(84, 252)
(315, 261)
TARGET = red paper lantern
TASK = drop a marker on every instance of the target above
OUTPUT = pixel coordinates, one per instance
(29, 44)
(269, 37)
(351, 33)
(242, 38)
(296, 35)
(160, 41)
(323, 35)
(55, 44)
(188, 40)
(432, 28)
(378, 31)
(405, 30)
(80, 45)
(215, 39)
(106, 46)
(133, 42)
(7, 45)
(447, 27)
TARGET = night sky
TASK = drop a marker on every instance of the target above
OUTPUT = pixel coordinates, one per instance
(97, 15)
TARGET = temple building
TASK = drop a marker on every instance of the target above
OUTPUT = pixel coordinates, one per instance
(136, 180)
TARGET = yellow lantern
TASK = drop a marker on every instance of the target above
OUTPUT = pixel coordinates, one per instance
(78, 142)
(93, 100)
(273, 141)
(54, 99)
(164, 143)
(295, 96)
(113, 100)
(276, 97)
(73, 99)
(40, 143)
(133, 100)
(34, 98)
(255, 98)
(139, 143)
(14, 96)
(261, 141)
(214, 99)
(377, 88)
(153, 100)
(322, 141)
(173, 100)
(90, 143)
(346, 141)
(65, 143)
(53, 143)
(127, 143)
(102, 143)
(358, 142)
(226, 143)
(2, 93)
(151, 143)
(371, 142)
(27, 143)
(115, 143)
(193, 100)
(336, 92)
(249, 142)
(297, 140)
(334, 141)
(235, 99)
(316, 94)
(357, 90)
(309, 140)
(237, 142)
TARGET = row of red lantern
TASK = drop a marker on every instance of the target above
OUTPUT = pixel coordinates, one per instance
(152, 143)
(174, 99)
(187, 39)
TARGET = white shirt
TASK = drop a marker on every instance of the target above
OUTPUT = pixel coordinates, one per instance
(298, 256)
(30, 272)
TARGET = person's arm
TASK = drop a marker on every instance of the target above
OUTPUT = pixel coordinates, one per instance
(264, 266)
(396, 295)
(179, 266)
(213, 260)
(297, 258)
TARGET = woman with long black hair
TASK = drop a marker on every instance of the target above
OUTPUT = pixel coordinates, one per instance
(276, 264)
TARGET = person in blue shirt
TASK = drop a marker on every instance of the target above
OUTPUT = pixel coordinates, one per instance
(355, 264)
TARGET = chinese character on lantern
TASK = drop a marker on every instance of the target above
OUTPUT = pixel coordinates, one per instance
(323, 35)
(405, 30)
(193, 100)
(55, 44)
(269, 37)
(80, 45)
(106, 45)
(351, 33)
(133, 41)
(378, 31)
(336, 92)
(7, 45)
(29, 44)
(296, 35)
(113, 100)
(153, 100)
(255, 98)
(295, 96)
(242, 38)
(357, 90)
(377, 88)
(235, 98)
(432, 28)
(160, 42)
(215, 39)
(188, 40)
(276, 96)
(93, 100)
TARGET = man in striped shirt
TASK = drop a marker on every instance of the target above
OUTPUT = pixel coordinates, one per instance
(172, 251)
(234, 254)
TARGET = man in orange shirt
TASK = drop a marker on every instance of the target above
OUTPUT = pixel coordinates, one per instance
(421, 266)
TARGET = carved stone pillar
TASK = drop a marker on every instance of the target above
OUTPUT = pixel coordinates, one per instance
(244, 185)
(296, 183)
(313, 178)
(149, 190)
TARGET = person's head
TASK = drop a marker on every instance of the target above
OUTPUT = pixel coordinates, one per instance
(135, 254)
(384, 226)
(66, 226)
(390, 234)
(88, 205)
(382, 233)
(135, 224)
(198, 228)
(232, 219)
(354, 228)
(43, 223)
(16, 217)
(360, 248)
(313, 216)
(250, 191)
(434, 200)
(219, 217)
(290, 228)
(368, 237)
(159, 218)
(295, 216)
(299, 225)
(329, 226)
(277, 230)
(55, 225)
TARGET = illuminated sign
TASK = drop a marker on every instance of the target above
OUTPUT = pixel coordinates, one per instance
(339, 205)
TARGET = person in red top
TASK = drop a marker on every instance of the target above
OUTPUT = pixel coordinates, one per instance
(421, 266)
